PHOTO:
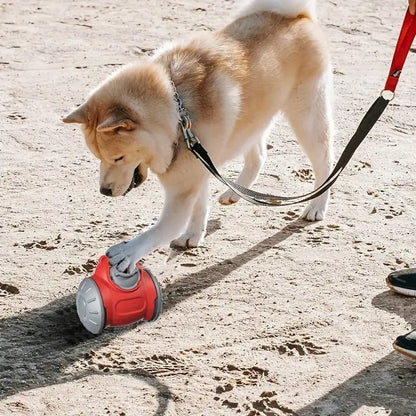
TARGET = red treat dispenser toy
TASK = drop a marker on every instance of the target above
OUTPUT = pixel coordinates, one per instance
(107, 299)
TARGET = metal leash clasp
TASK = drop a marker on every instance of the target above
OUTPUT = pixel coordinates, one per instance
(190, 139)
(185, 120)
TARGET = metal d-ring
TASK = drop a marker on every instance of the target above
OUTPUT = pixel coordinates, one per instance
(388, 95)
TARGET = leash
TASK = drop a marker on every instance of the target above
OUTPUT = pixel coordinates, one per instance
(404, 43)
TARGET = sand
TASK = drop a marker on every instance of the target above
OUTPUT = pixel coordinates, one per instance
(272, 315)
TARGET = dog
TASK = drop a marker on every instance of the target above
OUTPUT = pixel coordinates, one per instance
(273, 57)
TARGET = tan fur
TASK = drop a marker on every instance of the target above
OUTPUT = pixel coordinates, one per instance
(233, 82)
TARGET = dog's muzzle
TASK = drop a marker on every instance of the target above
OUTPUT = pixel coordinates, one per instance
(136, 180)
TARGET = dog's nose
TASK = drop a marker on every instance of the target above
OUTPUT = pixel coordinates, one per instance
(106, 191)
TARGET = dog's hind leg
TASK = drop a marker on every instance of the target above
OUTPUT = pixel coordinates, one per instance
(253, 162)
(310, 115)
(196, 229)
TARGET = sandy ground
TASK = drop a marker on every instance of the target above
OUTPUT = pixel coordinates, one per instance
(272, 315)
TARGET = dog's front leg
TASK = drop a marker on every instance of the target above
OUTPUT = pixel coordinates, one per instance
(174, 218)
(195, 231)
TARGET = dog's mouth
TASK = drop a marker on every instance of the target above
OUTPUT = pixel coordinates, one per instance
(136, 180)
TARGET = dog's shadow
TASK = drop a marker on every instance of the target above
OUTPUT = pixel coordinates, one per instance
(37, 345)
(196, 282)
(388, 383)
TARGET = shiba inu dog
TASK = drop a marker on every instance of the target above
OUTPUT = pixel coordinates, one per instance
(272, 58)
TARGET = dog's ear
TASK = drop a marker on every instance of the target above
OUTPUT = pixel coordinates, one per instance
(79, 115)
(116, 120)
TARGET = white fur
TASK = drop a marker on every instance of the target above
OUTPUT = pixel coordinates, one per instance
(289, 8)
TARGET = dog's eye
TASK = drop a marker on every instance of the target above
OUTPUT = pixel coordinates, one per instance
(119, 159)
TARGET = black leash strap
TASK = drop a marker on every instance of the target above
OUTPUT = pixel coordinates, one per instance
(403, 46)
(257, 198)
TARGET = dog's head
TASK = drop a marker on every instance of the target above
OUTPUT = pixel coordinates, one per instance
(130, 124)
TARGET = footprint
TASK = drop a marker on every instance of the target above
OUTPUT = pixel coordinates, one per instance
(305, 175)
(245, 375)
(164, 366)
(220, 389)
(296, 347)
(362, 165)
(42, 244)
(320, 235)
(268, 406)
(90, 265)
(389, 211)
(230, 405)
(265, 405)
(15, 116)
(6, 289)
(138, 50)
(290, 216)
(393, 265)
(87, 267)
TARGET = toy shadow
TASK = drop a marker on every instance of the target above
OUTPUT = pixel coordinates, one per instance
(37, 345)
(388, 383)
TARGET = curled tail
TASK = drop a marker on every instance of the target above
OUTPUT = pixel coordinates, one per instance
(289, 8)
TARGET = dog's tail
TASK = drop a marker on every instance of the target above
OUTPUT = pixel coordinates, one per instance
(289, 8)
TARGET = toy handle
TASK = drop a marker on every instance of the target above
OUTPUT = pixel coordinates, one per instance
(125, 281)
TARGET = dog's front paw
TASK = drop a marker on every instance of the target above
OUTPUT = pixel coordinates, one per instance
(122, 257)
(228, 198)
(314, 212)
(188, 240)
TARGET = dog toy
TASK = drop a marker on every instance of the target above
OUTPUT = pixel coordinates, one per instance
(107, 299)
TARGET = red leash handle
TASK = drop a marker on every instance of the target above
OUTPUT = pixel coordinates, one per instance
(403, 46)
